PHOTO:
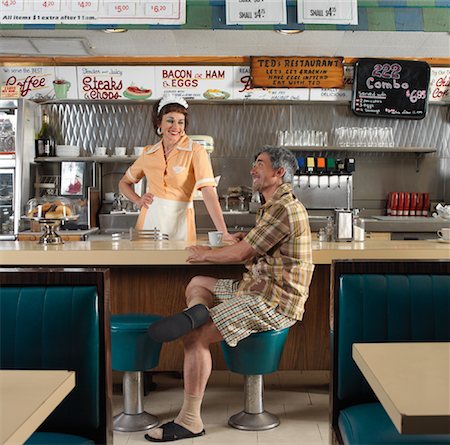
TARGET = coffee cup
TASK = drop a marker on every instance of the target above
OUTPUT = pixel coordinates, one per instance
(100, 151)
(61, 88)
(138, 150)
(215, 238)
(120, 151)
(444, 234)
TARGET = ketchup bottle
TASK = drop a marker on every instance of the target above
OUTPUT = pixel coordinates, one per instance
(401, 203)
(406, 204)
(419, 206)
(413, 204)
(394, 203)
(426, 204)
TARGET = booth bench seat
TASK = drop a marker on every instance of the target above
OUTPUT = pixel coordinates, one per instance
(381, 302)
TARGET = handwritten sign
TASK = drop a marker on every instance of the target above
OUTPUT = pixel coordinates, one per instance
(297, 72)
(439, 85)
(10, 92)
(338, 12)
(255, 12)
(391, 88)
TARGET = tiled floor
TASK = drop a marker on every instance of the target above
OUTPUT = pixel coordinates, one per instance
(300, 399)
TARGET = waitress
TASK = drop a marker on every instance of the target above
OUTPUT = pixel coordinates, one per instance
(174, 168)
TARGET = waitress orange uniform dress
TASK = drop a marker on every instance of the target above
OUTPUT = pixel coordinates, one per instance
(172, 183)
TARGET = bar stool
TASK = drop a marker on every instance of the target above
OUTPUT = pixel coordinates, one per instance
(254, 356)
(133, 352)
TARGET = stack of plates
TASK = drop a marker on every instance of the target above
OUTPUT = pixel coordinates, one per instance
(67, 151)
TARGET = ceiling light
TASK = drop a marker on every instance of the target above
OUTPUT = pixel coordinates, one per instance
(288, 32)
(114, 30)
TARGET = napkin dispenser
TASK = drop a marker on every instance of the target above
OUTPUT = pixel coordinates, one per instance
(344, 225)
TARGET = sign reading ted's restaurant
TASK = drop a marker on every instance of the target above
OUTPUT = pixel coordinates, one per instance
(297, 72)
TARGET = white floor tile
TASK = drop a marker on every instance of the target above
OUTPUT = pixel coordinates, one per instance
(299, 399)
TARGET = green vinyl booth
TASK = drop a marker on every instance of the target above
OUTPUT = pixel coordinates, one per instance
(59, 328)
(375, 303)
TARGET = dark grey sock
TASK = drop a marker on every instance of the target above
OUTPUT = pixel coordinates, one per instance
(175, 326)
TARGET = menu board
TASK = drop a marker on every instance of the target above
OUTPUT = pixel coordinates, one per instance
(162, 12)
(391, 88)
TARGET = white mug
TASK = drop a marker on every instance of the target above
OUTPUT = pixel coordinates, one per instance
(100, 151)
(215, 238)
(120, 151)
(138, 150)
(444, 234)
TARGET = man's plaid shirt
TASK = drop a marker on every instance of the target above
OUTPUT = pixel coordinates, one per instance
(283, 269)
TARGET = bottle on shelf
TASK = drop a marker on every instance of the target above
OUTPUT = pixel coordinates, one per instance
(45, 145)
(359, 232)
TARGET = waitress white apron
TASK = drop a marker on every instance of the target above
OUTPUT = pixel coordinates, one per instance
(169, 217)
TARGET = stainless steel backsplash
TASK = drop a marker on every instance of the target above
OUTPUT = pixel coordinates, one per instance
(240, 130)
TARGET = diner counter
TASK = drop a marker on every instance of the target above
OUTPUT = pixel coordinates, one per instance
(142, 253)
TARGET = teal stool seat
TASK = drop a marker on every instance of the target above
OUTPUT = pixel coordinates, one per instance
(254, 356)
(133, 352)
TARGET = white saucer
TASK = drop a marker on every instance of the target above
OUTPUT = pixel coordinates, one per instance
(441, 240)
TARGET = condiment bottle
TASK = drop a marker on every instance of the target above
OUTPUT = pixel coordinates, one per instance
(359, 233)
(413, 204)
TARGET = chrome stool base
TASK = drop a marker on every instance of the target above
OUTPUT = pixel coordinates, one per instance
(254, 422)
(134, 422)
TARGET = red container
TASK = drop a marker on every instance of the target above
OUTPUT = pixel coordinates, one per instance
(413, 204)
(426, 204)
(406, 204)
(394, 203)
(401, 203)
(419, 206)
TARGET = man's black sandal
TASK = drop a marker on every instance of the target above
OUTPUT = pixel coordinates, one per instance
(172, 431)
(175, 326)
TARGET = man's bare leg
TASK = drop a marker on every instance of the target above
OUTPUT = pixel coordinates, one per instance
(200, 290)
(197, 369)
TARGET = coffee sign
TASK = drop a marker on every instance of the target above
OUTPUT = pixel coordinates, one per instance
(297, 72)
(391, 88)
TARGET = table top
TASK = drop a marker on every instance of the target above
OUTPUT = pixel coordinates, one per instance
(412, 382)
(27, 398)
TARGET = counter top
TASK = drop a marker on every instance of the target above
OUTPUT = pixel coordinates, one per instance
(125, 252)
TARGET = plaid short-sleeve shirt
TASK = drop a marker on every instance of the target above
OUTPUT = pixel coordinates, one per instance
(282, 270)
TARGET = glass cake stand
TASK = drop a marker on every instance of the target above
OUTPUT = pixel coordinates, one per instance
(50, 225)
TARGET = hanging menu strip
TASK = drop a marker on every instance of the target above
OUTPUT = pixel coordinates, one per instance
(339, 12)
(391, 88)
(153, 12)
(297, 72)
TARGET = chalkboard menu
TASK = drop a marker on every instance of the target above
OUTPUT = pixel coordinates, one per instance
(390, 88)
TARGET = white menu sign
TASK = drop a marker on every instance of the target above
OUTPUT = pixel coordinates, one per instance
(42, 82)
(116, 82)
(243, 89)
(439, 90)
(122, 12)
(255, 12)
(195, 82)
(339, 12)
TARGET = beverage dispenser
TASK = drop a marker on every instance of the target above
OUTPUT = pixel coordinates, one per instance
(325, 183)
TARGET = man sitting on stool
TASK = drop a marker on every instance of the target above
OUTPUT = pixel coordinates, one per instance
(270, 296)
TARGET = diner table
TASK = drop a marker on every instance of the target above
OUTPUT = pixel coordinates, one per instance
(411, 381)
(27, 398)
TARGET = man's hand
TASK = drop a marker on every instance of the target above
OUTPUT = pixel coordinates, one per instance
(197, 254)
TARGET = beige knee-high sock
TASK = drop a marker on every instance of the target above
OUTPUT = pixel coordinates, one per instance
(188, 417)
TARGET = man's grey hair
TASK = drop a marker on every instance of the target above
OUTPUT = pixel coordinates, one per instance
(282, 157)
